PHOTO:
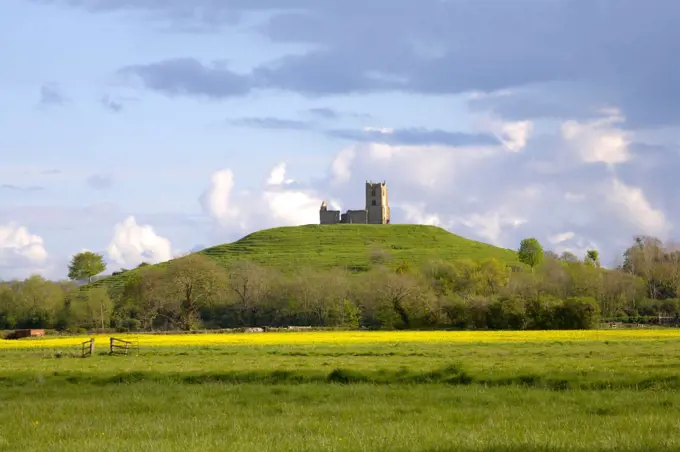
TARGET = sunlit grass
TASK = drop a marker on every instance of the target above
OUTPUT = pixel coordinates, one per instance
(344, 391)
(344, 246)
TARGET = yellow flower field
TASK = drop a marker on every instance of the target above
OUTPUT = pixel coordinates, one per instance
(351, 337)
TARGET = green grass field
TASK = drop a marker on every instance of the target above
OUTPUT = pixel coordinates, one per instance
(346, 246)
(529, 394)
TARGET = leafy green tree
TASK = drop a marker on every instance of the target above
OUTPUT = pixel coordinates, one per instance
(86, 265)
(568, 256)
(8, 308)
(38, 302)
(592, 258)
(530, 252)
(93, 308)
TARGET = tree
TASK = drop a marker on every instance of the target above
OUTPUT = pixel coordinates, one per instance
(86, 265)
(592, 258)
(530, 252)
(568, 256)
(248, 282)
(191, 283)
(38, 302)
(93, 308)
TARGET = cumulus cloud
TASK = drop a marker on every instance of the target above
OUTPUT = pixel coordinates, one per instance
(280, 202)
(20, 251)
(341, 166)
(514, 135)
(599, 140)
(549, 154)
(216, 200)
(633, 206)
(133, 244)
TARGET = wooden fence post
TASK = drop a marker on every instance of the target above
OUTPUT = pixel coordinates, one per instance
(87, 348)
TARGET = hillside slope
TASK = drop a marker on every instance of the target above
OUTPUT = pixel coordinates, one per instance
(346, 245)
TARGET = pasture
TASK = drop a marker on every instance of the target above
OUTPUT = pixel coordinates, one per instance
(429, 391)
(346, 246)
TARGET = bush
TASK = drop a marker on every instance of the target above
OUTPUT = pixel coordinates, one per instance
(507, 313)
(577, 314)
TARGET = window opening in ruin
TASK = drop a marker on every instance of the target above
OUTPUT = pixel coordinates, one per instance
(373, 192)
(374, 202)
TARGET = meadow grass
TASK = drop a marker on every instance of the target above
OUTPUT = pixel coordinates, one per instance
(344, 246)
(426, 391)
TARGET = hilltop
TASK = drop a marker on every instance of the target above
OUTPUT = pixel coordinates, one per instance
(346, 245)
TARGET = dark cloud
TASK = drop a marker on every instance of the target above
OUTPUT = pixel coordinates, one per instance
(325, 113)
(51, 94)
(272, 123)
(414, 137)
(187, 76)
(10, 187)
(111, 104)
(622, 50)
(100, 182)
(329, 113)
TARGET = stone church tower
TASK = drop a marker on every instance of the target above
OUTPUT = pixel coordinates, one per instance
(377, 204)
(377, 209)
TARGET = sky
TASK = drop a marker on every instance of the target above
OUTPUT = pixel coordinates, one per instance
(147, 129)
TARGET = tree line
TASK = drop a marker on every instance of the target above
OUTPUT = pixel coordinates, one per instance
(545, 291)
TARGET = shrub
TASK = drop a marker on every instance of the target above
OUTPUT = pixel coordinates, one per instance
(577, 314)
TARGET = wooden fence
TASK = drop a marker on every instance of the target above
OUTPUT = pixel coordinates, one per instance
(87, 348)
(119, 346)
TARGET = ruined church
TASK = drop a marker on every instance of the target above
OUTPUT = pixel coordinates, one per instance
(377, 209)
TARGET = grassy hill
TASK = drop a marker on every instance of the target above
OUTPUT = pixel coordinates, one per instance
(346, 245)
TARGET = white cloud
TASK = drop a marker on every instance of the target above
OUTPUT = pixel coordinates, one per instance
(513, 134)
(382, 130)
(599, 140)
(133, 244)
(417, 214)
(281, 202)
(573, 243)
(20, 251)
(491, 225)
(291, 208)
(340, 168)
(574, 197)
(278, 176)
(634, 208)
(561, 237)
(216, 200)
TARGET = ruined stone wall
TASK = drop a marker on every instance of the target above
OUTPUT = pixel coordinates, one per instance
(357, 216)
(377, 209)
(329, 216)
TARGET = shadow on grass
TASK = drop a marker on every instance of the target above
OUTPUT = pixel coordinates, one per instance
(450, 375)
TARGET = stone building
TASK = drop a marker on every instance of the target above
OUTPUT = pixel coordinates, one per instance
(377, 209)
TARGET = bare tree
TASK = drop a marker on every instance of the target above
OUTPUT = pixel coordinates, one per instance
(193, 282)
(249, 283)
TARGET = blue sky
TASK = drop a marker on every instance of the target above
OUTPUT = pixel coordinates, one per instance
(144, 129)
